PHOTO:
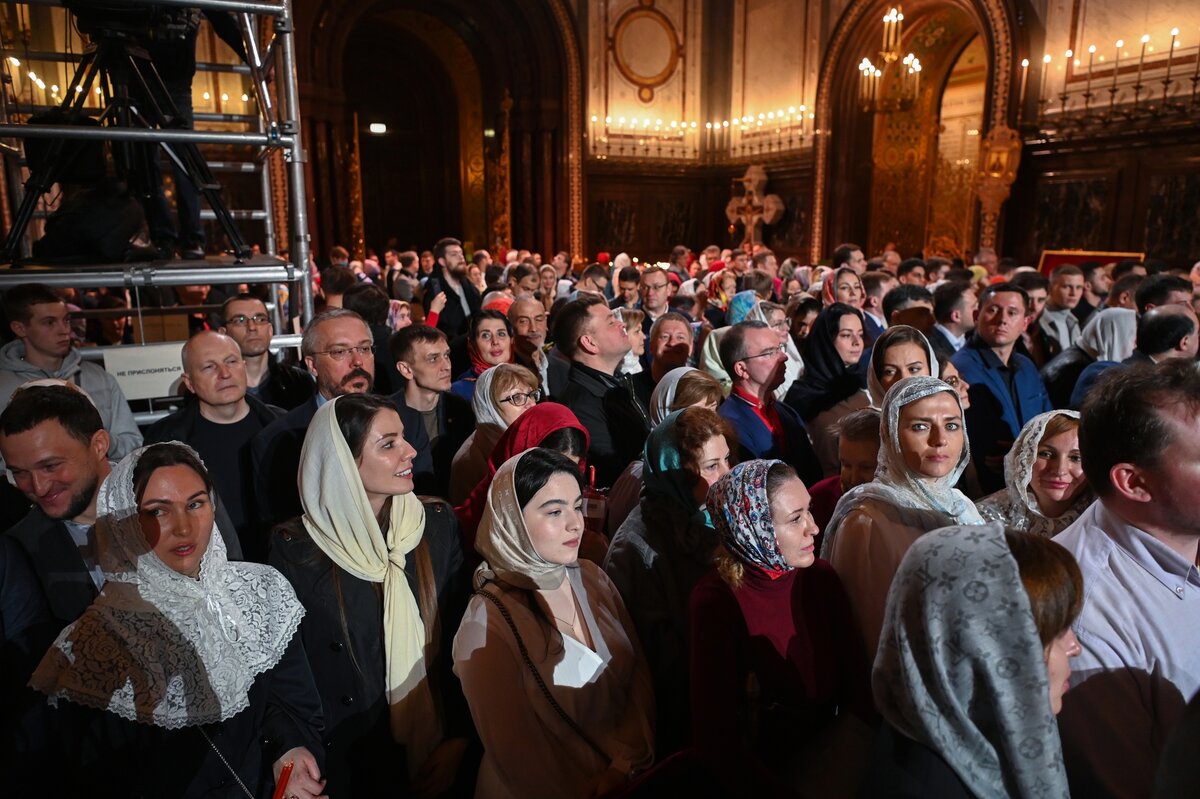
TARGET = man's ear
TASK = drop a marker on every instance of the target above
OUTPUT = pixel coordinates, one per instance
(740, 371)
(187, 382)
(100, 443)
(310, 362)
(1130, 482)
(404, 369)
(18, 329)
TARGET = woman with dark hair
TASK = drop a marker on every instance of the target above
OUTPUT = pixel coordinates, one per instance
(923, 452)
(665, 546)
(899, 352)
(774, 657)
(547, 655)
(185, 677)
(382, 577)
(549, 425)
(832, 385)
(972, 665)
(489, 342)
(843, 286)
(1043, 473)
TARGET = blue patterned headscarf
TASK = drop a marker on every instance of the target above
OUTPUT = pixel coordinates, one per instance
(741, 514)
(740, 306)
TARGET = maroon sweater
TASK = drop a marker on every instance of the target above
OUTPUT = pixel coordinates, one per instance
(795, 636)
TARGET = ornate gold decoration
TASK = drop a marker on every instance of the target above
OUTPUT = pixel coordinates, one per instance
(499, 181)
(646, 84)
(999, 157)
(279, 199)
(999, 72)
(358, 235)
(574, 140)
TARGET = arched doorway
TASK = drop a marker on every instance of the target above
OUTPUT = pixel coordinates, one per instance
(844, 194)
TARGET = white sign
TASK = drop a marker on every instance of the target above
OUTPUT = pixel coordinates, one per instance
(145, 372)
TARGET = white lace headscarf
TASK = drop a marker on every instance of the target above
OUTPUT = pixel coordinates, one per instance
(894, 482)
(157, 646)
(1015, 505)
(874, 385)
(1110, 334)
(663, 396)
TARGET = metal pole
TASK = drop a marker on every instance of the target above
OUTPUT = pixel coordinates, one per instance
(149, 276)
(270, 9)
(296, 160)
(148, 135)
(264, 179)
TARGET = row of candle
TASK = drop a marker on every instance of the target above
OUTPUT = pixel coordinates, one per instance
(685, 139)
(1071, 60)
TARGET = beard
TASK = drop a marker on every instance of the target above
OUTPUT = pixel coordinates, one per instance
(343, 387)
(80, 501)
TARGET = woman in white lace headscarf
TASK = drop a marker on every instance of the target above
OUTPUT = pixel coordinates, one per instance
(1045, 489)
(923, 451)
(182, 651)
(497, 392)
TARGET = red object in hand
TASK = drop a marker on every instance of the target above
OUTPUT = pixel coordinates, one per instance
(595, 504)
(285, 775)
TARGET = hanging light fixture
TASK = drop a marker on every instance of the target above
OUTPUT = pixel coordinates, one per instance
(905, 84)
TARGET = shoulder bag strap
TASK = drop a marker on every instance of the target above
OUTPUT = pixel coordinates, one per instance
(537, 675)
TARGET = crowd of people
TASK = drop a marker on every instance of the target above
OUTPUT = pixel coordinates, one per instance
(716, 526)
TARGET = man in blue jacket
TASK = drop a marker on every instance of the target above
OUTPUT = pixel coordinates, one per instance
(753, 358)
(1006, 391)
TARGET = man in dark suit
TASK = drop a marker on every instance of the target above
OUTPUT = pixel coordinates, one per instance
(436, 421)
(246, 321)
(753, 358)
(590, 335)
(339, 351)
(954, 307)
(876, 285)
(1006, 391)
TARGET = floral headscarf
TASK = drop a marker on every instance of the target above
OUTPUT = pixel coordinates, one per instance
(741, 514)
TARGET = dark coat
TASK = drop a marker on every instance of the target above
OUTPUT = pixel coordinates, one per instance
(345, 650)
(615, 419)
(1062, 373)
(456, 422)
(942, 347)
(451, 321)
(275, 455)
(286, 386)
(901, 768)
(756, 441)
(181, 425)
(994, 420)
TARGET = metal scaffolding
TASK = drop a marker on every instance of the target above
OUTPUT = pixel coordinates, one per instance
(277, 127)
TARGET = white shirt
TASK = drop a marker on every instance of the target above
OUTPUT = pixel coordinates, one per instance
(958, 342)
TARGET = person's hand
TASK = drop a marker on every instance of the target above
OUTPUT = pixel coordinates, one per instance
(437, 773)
(305, 782)
(437, 303)
(604, 783)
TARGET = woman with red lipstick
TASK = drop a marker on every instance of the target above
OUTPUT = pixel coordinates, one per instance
(489, 342)
(186, 676)
(923, 452)
(1043, 474)
(972, 665)
(381, 575)
(547, 655)
(774, 657)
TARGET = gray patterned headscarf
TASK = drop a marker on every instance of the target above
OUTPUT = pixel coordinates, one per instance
(961, 669)
(1016, 506)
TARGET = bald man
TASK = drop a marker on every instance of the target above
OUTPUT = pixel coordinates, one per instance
(218, 419)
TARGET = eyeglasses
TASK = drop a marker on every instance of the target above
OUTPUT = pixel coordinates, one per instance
(340, 353)
(519, 399)
(654, 286)
(241, 319)
(767, 353)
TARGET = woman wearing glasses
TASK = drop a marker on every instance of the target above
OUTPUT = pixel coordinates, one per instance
(489, 343)
(833, 384)
(502, 394)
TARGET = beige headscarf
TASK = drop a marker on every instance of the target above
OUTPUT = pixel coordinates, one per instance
(338, 516)
(508, 552)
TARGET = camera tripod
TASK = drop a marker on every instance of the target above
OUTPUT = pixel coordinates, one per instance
(134, 96)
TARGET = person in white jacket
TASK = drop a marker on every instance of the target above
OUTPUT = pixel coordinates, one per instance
(41, 323)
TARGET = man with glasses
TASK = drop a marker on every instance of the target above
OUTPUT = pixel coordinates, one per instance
(246, 321)
(754, 359)
(436, 420)
(339, 351)
(655, 289)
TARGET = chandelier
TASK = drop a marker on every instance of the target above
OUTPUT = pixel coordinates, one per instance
(905, 84)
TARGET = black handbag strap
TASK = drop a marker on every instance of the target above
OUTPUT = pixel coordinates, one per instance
(537, 675)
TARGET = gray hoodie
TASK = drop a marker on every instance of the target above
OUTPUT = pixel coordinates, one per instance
(99, 384)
